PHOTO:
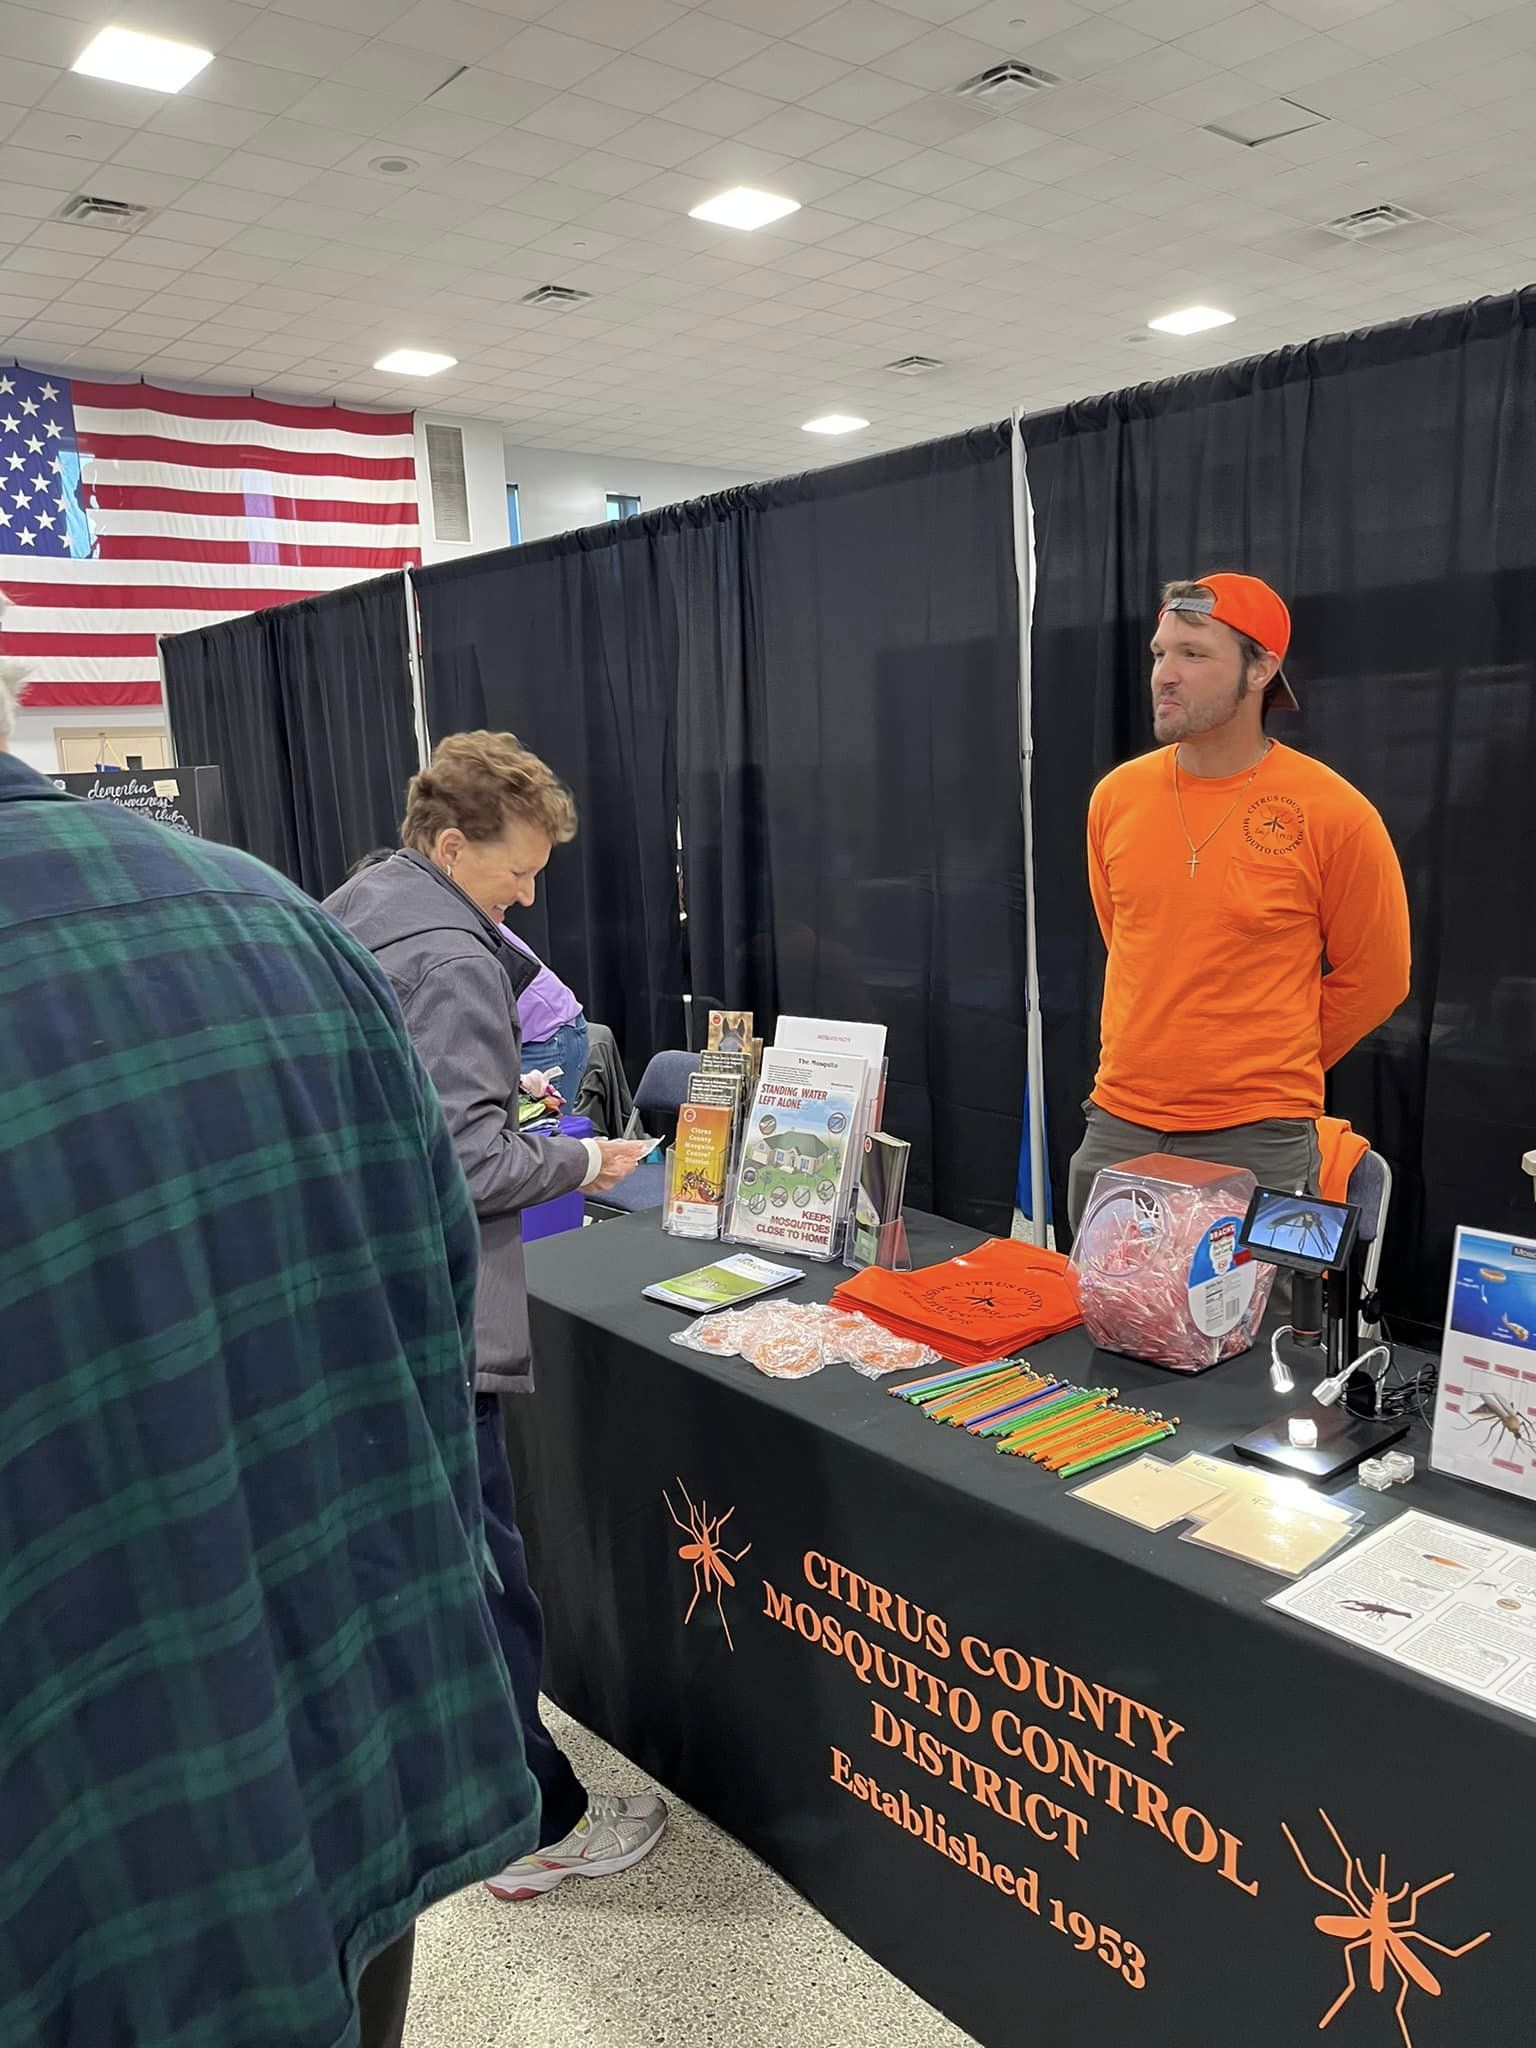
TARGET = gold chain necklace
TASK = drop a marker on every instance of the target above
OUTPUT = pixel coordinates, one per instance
(1196, 851)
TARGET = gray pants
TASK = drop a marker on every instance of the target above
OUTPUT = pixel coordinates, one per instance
(1279, 1154)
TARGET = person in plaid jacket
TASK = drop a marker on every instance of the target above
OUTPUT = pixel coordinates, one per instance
(253, 1714)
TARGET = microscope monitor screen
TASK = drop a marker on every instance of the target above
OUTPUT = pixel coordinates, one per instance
(1299, 1231)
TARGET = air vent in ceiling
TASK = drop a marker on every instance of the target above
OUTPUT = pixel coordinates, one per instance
(555, 295)
(1006, 85)
(914, 366)
(89, 210)
(1370, 220)
(446, 481)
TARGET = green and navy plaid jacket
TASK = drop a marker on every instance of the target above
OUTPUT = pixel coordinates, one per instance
(253, 1716)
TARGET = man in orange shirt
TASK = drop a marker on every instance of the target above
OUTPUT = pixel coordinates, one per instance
(1252, 904)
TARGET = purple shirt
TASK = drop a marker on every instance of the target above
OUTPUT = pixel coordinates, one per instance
(546, 1003)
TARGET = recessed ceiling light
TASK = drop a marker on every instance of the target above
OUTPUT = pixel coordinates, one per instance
(835, 423)
(743, 208)
(129, 58)
(393, 166)
(415, 362)
(1192, 320)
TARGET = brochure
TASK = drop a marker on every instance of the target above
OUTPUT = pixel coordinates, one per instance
(726, 1284)
(798, 1149)
(701, 1162)
(878, 1203)
(859, 1041)
(1443, 1601)
(730, 1031)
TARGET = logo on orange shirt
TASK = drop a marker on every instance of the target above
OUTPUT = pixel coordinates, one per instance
(1274, 824)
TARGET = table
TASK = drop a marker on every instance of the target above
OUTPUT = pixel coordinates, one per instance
(1034, 1760)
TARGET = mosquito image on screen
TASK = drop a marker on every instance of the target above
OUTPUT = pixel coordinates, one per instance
(1300, 1230)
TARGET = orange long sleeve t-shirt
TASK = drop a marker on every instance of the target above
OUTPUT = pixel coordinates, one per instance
(1217, 1010)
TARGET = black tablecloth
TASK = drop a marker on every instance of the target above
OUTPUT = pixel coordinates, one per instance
(1079, 1839)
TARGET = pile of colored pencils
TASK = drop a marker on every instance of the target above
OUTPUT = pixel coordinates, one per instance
(1030, 1415)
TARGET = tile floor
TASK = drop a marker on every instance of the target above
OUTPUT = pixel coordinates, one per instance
(702, 1946)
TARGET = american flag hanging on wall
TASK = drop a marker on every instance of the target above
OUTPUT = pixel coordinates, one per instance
(127, 512)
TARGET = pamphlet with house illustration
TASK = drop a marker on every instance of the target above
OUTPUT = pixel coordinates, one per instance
(798, 1150)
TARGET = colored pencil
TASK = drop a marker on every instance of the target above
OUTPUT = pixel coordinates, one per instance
(953, 1377)
(1152, 1436)
(1107, 1421)
(1110, 1430)
(992, 1402)
(1068, 1401)
(1056, 1418)
(1070, 1444)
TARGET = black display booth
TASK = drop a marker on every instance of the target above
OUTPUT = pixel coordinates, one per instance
(811, 687)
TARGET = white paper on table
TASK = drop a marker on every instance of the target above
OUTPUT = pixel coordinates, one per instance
(1447, 1602)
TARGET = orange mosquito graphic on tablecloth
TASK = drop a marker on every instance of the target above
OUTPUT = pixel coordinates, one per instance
(1371, 1924)
(710, 1561)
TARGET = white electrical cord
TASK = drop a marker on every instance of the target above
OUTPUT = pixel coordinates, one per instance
(1326, 1392)
(1280, 1377)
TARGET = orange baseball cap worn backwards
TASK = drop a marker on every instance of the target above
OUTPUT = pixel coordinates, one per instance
(1250, 607)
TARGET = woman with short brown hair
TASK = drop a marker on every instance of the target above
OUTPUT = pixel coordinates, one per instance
(481, 821)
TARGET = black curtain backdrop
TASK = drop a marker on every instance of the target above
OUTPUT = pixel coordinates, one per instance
(307, 709)
(1386, 483)
(572, 645)
(223, 706)
(849, 778)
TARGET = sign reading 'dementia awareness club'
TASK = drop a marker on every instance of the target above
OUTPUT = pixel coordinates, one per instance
(1019, 1772)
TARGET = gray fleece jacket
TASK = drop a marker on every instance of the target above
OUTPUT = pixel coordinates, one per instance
(458, 983)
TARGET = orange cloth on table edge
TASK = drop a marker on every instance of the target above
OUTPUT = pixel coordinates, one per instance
(1341, 1151)
(983, 1305)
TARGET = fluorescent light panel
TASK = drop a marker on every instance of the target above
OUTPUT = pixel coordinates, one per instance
(1192, 320)
(415, 362)
(835, 423)
(127, 57)
(743, 208)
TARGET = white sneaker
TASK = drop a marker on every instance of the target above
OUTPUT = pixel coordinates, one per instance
(613, 1834)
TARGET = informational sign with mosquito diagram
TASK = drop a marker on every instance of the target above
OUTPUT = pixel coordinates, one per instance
(1485, 1410)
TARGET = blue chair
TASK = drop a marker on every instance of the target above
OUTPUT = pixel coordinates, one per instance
(662, 1092)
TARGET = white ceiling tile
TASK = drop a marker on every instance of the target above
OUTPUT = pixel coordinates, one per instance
(930, 170)
(262, 88)
(1165, 21)
(38, 37)
(785, 72)
(639, 84)
(569, 117)
(63, 136)
(285, 44)
(939, 60)
(705, 45)
(487, 95)
(1399, 26)
(936, 120)
(248, 171)
(1002, 21)
(864, 154)
(858, 31)
(662, 144)
(547, 58)
(621, 23)
(720, 109)
(168, 153)
(444, 134)
(365, 17)
(395, 71)
(451, 28)
(201, 121)
(95, 99)
(794, 131)
(999, 142)
(595, 171)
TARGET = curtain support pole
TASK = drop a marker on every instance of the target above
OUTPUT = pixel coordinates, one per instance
(413, 661)
(1024, 570)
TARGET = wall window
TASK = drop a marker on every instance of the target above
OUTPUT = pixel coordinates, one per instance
(620, 506)
(514, 518)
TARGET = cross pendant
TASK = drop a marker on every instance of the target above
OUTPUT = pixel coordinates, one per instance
(1194, 862)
